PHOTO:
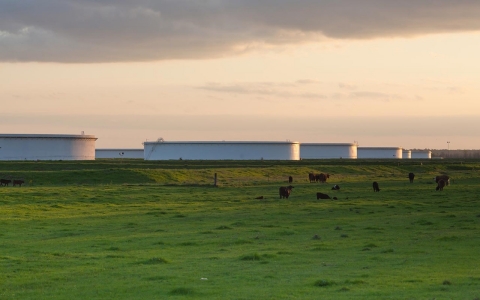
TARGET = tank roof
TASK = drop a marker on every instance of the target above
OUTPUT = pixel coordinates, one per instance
(47, 136)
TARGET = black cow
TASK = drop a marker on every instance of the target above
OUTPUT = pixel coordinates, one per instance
(18, 182)
(411, 176)
(285, 191)
(323, 196)
(290, 179)
(441, 184)
(375, 187)
(336, 187)
(311, 177)
(5, 182)
(444, 178)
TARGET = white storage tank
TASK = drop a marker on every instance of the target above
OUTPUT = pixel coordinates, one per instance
(379, 152)
(47, 147)
(328, 151)
(406, 154)
(119, 153)
(423, 154)
(162, 150)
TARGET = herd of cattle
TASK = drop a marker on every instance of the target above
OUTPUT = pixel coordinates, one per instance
(285, 191)
(14, 182)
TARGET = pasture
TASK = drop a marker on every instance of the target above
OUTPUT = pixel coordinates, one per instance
(134, 229)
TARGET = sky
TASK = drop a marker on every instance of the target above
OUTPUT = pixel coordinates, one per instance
(376, 72)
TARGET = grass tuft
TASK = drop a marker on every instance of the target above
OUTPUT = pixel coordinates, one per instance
(324, 283)
(182, 292)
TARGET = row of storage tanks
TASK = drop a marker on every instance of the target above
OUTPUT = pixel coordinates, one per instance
(82, 147)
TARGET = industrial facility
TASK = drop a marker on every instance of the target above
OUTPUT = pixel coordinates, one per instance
(119, 153)
(162, 150)
(421, 154)
(328, 151)
(379, 152)
(82, 147)
(47, 147)
(406, 154)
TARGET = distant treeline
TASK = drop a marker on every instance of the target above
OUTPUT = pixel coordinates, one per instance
(444, 153)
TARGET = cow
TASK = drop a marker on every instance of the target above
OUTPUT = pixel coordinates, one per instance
(285, 191)
(336, 187)
(375, 187)
(290, 179)
(444, 178)
(411, 176)
(18, 182)
(5, 182)
(322, 177)
(311, 177)
(441, 184)
(323, 196)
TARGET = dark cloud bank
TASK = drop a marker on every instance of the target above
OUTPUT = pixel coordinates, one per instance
(142, 30)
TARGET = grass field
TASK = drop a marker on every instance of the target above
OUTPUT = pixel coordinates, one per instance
(134, 229)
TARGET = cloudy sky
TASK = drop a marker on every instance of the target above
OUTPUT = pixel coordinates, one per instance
(379, 72)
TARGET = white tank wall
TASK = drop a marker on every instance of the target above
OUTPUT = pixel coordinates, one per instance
(47, 147)
(328, 151)
(406, 154)
(424, 154)
(222, 150)
(119, 153)
(379, 152)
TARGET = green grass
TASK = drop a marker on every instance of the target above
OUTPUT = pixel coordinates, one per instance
(134, 229)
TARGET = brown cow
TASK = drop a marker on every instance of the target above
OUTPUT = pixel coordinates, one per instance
(441, 185)
(5, 182)
(323, 196)
(290, 179)
(18, 182)
(285, 191)
(311, 177)
(322, 177)
(375, 187)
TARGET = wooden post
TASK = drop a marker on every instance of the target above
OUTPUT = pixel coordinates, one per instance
(215, 180)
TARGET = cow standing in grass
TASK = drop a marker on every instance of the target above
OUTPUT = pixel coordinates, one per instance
(285, 191)
(411, 176)
(440, 185)
(5, 182)
(376, 187)
(311, 177)
(322, 177)
(444, 178)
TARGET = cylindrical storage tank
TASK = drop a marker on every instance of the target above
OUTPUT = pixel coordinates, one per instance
(47, 147)
(328, 151)
(423, 154)
(379, 152)
(162, 150)
(406, 154)
(119, 153)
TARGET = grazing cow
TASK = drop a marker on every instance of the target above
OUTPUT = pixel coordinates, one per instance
(5, 182)
(411, 176)
(285, 191)
(290, 179)
(444, 178)
(441, 184)
(336, 187)
(18, 182)
(322, 177)
(323, 196)
(375, 187)
(311, 177)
